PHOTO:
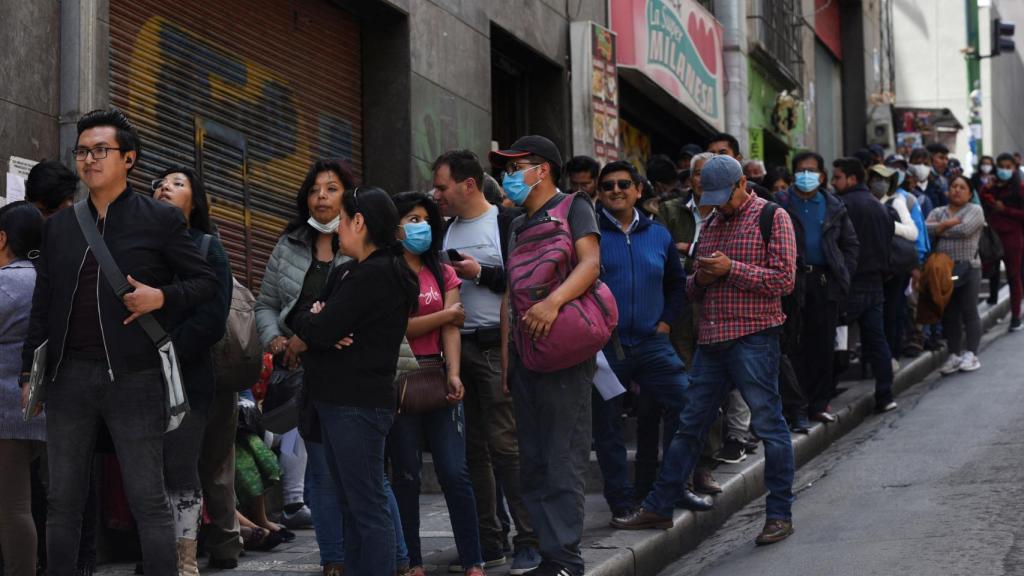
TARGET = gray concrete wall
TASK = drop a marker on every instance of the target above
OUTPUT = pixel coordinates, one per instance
(29, 80)
(450, 84)
(1002, 81)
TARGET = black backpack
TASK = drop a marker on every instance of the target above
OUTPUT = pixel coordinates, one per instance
(792, 303)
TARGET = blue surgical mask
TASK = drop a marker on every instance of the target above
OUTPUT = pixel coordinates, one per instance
(807, 181)
(1004, 174)
(515, 186)
(418, 237)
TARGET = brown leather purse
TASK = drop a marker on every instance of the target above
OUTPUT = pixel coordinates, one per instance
(424, 389)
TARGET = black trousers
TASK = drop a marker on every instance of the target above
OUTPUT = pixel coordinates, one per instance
(813, 361)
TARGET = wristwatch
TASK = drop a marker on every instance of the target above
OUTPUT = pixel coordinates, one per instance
(478, 275)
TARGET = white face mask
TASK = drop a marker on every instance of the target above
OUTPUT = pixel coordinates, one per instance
(329, 228)
(986, 168)
(921, 172)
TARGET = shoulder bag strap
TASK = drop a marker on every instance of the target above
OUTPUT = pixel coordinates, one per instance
(204, 245)
(110, 270)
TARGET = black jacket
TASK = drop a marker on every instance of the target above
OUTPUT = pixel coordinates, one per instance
(203, 327)
(367, 300)
(149, 240)
(492, 276)
(839, 242)
(874, 230)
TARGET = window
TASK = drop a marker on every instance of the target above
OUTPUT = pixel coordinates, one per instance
(775, 37)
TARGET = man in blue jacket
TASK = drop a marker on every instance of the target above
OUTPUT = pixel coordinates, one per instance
(640, 264)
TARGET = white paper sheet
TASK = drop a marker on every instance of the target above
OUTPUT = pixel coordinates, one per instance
(605, 380)
(842, 335)
(15, 188)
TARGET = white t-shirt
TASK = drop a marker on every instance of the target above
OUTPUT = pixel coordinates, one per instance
(479, 238)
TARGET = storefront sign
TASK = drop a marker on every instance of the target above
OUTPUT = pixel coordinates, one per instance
(595, 92)
(678, 45)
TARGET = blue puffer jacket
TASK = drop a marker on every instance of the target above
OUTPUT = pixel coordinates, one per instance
(643, 271)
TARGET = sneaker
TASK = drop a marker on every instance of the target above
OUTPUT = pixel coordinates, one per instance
(549, 569)
(1015, 325)
(732, 452)
(301, 518)
(970, 362)
(889, 406)
(895, 365)
(494, 562)
(524, 561)
(952, 365)
(476, 571)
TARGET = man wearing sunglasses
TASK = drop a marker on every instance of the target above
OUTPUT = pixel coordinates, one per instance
(641, 266)
(101, 365)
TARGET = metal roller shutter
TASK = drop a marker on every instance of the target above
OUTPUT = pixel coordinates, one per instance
(249, 92)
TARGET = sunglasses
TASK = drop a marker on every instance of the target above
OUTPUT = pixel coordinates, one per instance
(609, 185)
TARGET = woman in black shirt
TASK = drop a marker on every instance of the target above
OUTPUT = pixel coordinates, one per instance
(352, 385)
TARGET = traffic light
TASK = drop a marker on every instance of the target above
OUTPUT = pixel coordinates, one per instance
(1002, 36)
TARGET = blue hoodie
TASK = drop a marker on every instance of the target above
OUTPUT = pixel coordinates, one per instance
(643, 271)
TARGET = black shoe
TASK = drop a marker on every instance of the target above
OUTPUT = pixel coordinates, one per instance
(731, 452)
(549, 569)
(1015, 325)
(696, 502)
(223, 563)
(993, 300)
(886, 406)
(799, 423)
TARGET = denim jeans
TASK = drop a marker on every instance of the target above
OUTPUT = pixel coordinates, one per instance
(354, 445)
(866, 308)
(134, 410)
(445, 433)
(321, 493)
(654, 365)
(751, 365)
(553, 421)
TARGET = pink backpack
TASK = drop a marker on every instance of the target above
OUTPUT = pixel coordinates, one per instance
(543, 258)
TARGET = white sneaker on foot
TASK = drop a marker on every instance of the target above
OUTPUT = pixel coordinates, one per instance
(970, 362)
(952, 365)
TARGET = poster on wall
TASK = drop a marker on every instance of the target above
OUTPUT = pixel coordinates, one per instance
(636, 145)
(678, 45)
(595, 92)
(17, 173)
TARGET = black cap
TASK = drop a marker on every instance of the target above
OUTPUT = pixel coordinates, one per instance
(689, 151)
(526, 146)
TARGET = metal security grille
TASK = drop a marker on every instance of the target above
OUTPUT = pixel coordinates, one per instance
(249, 92)
(775, 37)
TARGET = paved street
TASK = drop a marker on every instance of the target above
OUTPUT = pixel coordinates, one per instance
(934, 488)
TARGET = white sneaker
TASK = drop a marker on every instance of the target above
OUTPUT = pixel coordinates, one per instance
(952, 365)
(895, 365)
(970, 362)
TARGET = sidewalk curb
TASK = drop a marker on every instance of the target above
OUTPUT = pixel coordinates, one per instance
(649, 552)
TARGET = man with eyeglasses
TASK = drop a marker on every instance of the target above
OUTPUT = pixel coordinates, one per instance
(741, 274)
(582, 174)
(641, 266)
(552, 408)
(101, 366)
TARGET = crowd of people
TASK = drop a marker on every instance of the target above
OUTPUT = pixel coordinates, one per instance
(469, 321)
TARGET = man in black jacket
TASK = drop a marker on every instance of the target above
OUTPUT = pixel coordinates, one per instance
(875, 230)
(830, 258)
(101, 365)
(479, 232)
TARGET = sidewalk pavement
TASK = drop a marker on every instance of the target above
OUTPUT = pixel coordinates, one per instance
(609, 552)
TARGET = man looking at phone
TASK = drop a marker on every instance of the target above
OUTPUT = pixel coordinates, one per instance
(741, 274)
(476, 243)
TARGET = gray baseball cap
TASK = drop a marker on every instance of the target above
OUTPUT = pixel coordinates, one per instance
(718, 178)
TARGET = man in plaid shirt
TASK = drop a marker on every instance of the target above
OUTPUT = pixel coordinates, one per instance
(740, 278)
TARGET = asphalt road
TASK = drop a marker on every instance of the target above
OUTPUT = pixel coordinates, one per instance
(935, 488)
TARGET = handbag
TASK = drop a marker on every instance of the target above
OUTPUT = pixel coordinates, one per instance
(990, 247)
(177, 403)
(424, 389)
(283, 401)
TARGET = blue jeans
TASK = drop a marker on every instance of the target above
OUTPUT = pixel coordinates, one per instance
(866, 308)
(654, 365)
(751, 365)
(445, 433)
(322, 497)
(354, 445)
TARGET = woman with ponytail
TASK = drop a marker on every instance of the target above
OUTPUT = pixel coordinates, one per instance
(349, 347)
(21, 226)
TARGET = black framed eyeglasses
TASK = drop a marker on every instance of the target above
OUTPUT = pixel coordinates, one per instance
(609, 185)
(98, 153)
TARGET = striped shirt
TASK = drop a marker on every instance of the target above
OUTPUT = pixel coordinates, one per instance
(961, 241)
(749, 298)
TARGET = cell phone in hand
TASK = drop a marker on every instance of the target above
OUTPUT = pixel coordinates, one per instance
(454, 256)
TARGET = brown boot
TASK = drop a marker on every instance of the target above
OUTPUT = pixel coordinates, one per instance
(704, 482)
(187, 565)
(774, 531)
(334, 569)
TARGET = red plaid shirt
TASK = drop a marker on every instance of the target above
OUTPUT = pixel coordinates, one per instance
(748, 298)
